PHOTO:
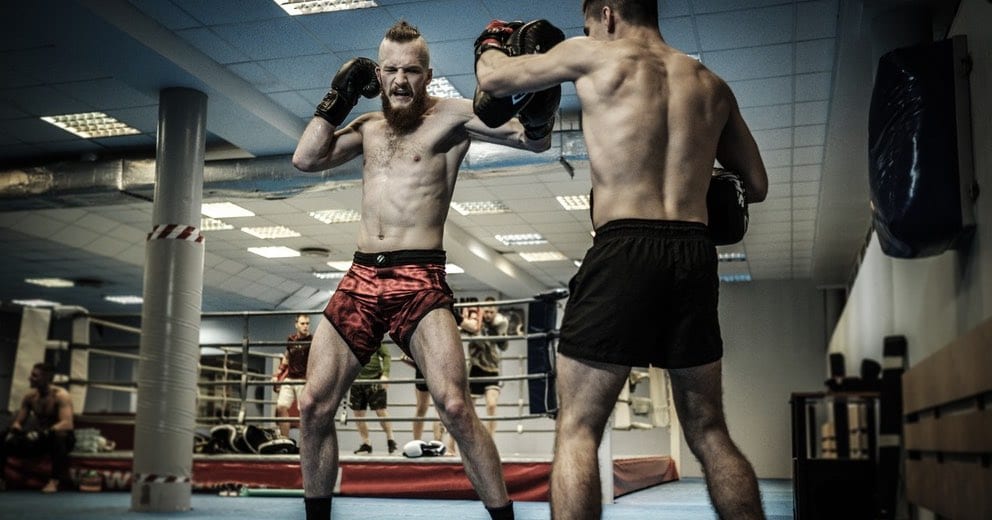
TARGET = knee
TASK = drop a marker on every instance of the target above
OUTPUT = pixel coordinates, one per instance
(312, 407)
(454, 410)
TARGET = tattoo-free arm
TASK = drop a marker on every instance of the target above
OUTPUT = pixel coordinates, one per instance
(64, 403)
(322, 146)
(738, 151)
(501, 75)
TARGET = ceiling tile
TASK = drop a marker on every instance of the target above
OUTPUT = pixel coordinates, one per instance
(807, 155)
(815, 55)
(747, 28)
(751, 63)
(270, 39)
(806, 172)
(343, 38)
(816, 19)
(813, 86)
(210, 13)
(447, 20)
(768, 117)
(680, 33)
(810, 135)
(805, 188)
(773, 139)
(811, 113)
(207, 42)
(762, 91)
(777, 158)
(709, 6)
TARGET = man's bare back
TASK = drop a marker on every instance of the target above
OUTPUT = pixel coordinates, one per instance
(654, 121)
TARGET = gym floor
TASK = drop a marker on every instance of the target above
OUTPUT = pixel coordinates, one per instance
(685, 499)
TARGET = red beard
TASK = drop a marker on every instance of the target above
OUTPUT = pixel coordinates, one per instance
(405, 119)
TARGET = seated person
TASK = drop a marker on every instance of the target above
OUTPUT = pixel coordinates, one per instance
(48, 409)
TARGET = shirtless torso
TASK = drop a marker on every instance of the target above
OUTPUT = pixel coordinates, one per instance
(653, 118)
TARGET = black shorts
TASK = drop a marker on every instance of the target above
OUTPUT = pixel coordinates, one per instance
(480, 387)
(372, 397)
(646, 293)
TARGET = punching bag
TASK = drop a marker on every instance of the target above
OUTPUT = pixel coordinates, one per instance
(920, 159)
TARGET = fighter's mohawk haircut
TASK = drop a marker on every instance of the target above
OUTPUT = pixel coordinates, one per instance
(402, 32)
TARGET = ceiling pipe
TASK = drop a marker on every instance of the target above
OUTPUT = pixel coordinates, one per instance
(123, 180)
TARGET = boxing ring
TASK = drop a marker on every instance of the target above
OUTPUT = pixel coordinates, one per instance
(235, 393)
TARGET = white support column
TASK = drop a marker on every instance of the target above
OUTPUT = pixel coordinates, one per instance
(170, 316)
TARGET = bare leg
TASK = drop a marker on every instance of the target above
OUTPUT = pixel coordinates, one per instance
(492, 399)
(386, 425)
(587, 392)
(730, 479)
(363, 427)
(283, 411)
(438, 351)
(423, 401)
(330, 371)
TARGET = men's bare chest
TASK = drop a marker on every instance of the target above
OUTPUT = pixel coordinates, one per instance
(44, 406)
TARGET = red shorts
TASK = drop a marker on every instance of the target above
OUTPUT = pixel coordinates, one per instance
(388, 292)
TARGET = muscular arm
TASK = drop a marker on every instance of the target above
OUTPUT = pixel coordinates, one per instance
(64, 406)
(737, 151)
(510, 134)
(22, 413)
(501, 75)
(322, 146)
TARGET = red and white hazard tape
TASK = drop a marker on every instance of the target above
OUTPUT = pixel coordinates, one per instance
(175, 232)
(160, 479)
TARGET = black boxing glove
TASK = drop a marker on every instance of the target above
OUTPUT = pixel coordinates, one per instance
(537, 110)
(355, 78)
(727, 207)
(538, 116)
(535, 37)
(495, 36)
(496, 111)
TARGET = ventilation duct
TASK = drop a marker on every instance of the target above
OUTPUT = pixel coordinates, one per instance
(117, 181)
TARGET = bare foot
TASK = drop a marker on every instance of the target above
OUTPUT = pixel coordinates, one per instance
(51, 487)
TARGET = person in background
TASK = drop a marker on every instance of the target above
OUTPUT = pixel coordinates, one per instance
(292, 370)
(374, 397)
(43, 426)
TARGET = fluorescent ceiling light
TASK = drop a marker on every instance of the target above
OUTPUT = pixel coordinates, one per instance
(453, 269)
(441, 87)
(50, 282)
(124, 299)
(225, 210)
(213, 224)
(524, 239)
(543, 256)
(336, 216)
(328, 275)
(270, 232)
(573, 202)
(480, 207)
(298, 7)
(738, 277)
(274, 252)
(340, 265)
(91, 125)
(732, 257)
(36, 303)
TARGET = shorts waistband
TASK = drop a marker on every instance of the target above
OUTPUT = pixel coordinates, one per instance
(639, 227)
(401, 257)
